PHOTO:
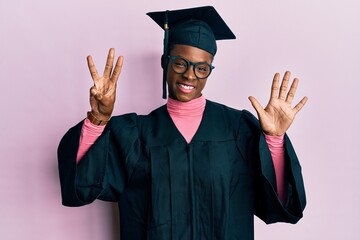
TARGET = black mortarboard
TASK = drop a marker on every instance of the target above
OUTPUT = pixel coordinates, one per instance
(198, 27)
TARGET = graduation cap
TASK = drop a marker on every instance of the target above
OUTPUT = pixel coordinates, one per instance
(198, 27)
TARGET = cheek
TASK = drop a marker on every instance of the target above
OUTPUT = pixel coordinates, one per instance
(172, 77)
(171, 82)
(169, 78)
(169, 75)
(202, 84)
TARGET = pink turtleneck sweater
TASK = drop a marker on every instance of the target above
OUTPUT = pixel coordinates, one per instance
(187, 117)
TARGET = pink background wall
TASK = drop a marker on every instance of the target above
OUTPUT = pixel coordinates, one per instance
(45, 82)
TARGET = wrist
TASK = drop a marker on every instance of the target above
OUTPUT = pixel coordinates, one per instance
(96, 119)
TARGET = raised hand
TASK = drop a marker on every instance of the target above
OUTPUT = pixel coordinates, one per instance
(278, 115)
(103, 93)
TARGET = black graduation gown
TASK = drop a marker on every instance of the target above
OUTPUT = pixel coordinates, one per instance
(169, 189)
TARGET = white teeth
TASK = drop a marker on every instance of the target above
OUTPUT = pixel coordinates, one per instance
(186, 86)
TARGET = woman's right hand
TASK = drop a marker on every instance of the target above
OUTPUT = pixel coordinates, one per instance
(103, 93)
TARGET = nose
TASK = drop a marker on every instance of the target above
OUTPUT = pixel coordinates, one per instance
(190, 73)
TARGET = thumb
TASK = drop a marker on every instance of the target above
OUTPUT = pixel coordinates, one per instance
(256, 105)
(94, 93)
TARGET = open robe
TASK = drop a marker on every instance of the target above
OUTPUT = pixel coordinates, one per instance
(169, 189)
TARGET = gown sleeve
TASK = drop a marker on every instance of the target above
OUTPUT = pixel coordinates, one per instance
(103, 171)
(267, 204)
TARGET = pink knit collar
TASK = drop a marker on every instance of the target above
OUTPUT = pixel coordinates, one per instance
(192, 108)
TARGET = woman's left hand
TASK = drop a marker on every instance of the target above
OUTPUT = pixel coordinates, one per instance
(278, 115)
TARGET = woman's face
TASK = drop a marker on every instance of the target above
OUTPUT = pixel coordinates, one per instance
(185, 87)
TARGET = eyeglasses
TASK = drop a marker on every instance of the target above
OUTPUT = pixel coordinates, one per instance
(181, 65)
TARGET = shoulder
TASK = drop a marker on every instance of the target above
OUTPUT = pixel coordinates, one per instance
(124, 120)
(223, 109)
(241, 118)
(134, 120)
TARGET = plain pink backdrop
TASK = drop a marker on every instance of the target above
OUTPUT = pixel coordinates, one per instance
(45, 84)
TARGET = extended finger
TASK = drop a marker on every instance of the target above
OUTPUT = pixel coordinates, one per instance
(92, 68)
(109, 63)
(300, 105)
(275, 86)
(117, 69)
(284, 85)
(292, 91)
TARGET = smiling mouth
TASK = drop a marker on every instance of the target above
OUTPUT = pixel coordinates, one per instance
(184, 86)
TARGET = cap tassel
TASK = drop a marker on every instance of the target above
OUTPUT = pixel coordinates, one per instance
(165, 60)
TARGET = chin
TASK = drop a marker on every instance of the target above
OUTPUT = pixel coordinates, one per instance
(185, 98)
(181, 97)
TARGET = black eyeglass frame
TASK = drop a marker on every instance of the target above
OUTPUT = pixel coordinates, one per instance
(188, 64)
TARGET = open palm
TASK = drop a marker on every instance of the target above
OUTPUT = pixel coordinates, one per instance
(278, 115)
